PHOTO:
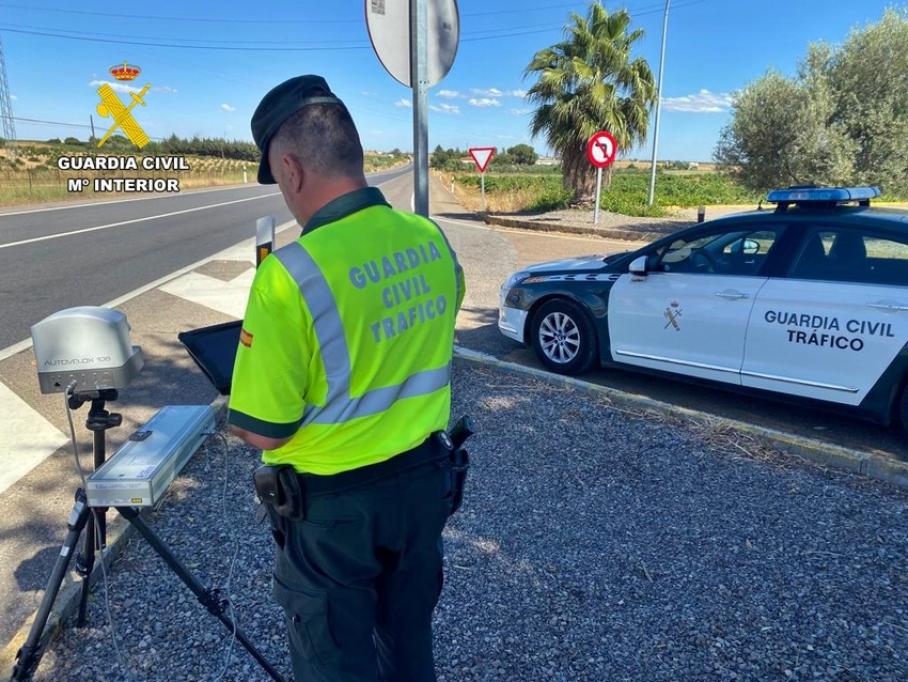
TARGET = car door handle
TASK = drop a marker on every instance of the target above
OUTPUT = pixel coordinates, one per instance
(890, 307)
(731, 294)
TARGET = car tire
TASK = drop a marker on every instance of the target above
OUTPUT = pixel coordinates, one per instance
(563, 337)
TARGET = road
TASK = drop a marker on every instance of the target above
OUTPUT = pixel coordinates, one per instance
(92, 253)
(132, 244)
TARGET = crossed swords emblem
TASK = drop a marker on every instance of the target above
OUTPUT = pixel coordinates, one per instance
(672, 313)
(111, 106)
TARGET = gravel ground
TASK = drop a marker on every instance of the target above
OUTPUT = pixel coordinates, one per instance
(594, 544)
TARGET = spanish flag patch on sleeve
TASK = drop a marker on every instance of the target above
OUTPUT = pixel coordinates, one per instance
(245, 338)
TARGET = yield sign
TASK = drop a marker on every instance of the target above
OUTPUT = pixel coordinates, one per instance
(482, 156)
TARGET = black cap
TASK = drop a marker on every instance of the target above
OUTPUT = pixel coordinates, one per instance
(278, 105)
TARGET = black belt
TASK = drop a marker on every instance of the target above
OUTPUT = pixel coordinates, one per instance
(431, 450)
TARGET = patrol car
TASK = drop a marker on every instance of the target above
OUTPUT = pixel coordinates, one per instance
(808, 301)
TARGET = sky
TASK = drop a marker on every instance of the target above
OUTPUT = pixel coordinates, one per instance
(208, 71)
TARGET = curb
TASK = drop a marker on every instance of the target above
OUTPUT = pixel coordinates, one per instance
(119, 532)
(870, 465)
(538, 226)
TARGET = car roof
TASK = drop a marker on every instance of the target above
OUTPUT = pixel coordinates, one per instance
(890, 218)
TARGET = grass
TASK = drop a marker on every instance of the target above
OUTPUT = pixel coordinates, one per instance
(514, 192)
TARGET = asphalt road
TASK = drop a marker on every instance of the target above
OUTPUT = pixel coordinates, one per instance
(89, 254)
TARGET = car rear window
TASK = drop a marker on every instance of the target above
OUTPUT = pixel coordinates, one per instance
(853, 255)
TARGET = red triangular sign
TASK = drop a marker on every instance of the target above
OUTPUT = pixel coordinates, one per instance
(482, 156)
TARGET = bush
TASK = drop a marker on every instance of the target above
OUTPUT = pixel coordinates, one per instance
(73, 141)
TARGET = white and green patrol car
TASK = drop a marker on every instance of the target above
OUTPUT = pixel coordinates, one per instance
(807, 301)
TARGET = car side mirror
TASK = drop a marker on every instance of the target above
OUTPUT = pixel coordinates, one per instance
(638, 266)
(751, 247)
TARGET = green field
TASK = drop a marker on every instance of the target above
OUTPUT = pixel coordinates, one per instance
(534, 192)
(626, 194)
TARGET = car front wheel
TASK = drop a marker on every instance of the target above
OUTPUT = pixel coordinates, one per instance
(563, 337)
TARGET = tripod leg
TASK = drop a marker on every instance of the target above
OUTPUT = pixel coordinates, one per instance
(85, 563)
(206, 598)
(28, 656)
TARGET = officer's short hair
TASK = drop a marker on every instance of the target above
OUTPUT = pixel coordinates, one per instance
(324, 139)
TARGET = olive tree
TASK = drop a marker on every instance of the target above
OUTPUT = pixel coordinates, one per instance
(842, 119)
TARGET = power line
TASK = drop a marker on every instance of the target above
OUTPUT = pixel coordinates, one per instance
(38, 121)
(56, 123)
(283, 20)
(186, 47)
(174, 39)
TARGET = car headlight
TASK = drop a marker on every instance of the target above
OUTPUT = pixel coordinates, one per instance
(514, 280)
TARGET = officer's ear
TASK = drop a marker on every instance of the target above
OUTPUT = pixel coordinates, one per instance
(292, 172)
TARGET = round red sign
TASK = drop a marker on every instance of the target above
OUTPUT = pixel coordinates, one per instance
(601, 149)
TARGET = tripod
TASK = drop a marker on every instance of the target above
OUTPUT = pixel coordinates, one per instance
(84, 518)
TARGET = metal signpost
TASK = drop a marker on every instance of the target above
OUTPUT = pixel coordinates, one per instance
(481, 157)
(433, 27)
(601, 151)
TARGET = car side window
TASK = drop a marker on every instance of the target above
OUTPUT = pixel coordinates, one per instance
(741, 252)
(852, 255)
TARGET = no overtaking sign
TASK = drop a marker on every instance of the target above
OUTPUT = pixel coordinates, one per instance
(601, 151)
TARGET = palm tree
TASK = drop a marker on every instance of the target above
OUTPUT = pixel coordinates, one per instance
(589, 82)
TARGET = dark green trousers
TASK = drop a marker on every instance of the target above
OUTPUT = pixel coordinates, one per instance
(360, 576)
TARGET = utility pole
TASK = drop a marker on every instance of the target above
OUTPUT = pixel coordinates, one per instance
(7, 123)
(652, 170)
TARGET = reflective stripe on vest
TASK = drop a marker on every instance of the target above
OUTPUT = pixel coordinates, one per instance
(340, 406)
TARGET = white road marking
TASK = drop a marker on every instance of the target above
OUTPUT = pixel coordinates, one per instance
(532, 233)
(133, 221)
(22, 454)
(83, 204)
(225, 297)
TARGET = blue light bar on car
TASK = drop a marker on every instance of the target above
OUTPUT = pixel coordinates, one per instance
(825, 194)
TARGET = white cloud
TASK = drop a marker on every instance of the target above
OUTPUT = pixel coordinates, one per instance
(520, 112)
(449, 94)
(495, 92)
(445, 108)
(165, 88)
(404, 103)
(226, 107)
(116, 87)
(489, 92)
(484, 102)
(702, 102)
(13, 97)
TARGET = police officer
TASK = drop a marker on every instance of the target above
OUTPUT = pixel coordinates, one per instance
(342, 378)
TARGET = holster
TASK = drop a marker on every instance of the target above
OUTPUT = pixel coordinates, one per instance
(279, 489)
(460, 463)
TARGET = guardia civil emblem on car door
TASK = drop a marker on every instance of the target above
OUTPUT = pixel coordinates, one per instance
(672, 314)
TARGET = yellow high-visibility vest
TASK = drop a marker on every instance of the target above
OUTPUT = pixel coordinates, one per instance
(348, 338)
